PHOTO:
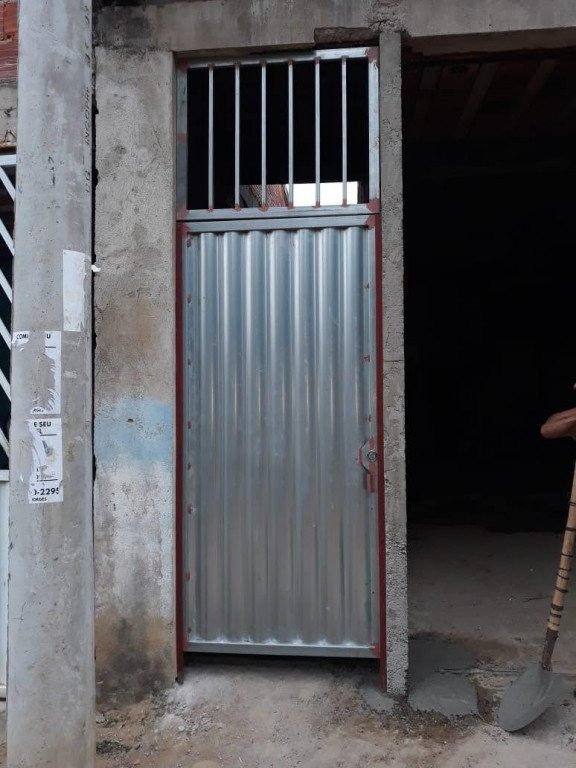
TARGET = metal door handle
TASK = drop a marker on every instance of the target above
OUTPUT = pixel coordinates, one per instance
(368, 458)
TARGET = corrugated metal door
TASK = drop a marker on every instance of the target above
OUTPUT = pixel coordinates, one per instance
(280, 513)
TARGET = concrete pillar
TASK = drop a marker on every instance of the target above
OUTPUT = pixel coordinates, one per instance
(393, 300)
(135, 323)
(51, 626)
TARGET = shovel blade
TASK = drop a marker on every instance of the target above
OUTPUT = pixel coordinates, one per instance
(529, 697)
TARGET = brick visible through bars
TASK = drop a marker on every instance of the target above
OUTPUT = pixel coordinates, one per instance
(8, 40)
(9, 19)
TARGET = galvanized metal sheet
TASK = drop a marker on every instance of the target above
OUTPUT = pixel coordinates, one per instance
(279, 356)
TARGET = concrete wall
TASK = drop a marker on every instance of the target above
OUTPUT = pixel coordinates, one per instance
(199, 26)
(8, 112)
(425, 18)
(134, 373)
(393, 323)
(118, 65)
(134, 234)
(212, 24)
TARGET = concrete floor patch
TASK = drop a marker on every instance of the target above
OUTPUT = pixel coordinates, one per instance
(428, 655)
(376, 699)
(449, 694)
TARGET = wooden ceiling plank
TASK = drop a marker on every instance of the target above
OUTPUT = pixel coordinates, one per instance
(477, 96)
(535, 85)
(446, 173)
(428, 84)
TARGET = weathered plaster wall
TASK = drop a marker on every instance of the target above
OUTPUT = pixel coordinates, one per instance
(199, 26)
(212, 24)
(472, 17)
(134, 373)
(8, 112)
(393, 322)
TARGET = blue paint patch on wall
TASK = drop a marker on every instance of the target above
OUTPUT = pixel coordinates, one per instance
(134, 430)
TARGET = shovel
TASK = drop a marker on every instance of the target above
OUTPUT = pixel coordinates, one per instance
(538, 688)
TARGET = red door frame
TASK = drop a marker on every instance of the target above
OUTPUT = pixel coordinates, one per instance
(374, 221)
(181, 230)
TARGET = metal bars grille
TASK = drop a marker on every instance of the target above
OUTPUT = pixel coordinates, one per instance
(242, 209)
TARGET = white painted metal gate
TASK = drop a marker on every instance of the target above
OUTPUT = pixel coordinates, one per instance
(7, 196)
(279, 417)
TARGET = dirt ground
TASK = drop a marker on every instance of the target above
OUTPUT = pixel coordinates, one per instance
(490, 589)
(282, 714)
(487, 591)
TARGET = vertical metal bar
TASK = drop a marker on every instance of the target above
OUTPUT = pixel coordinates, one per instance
(317, 126)
(290, 134)
(211, 137)
(182, 141)
(344, 135)
(373, 133)
(264, 195)
(237, 137)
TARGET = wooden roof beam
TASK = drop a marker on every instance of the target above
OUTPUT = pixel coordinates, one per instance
(535, 85)
(477, 95)
(428, 83)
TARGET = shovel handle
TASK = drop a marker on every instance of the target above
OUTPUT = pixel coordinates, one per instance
(562, 578)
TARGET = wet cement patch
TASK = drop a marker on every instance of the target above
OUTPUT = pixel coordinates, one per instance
(452, 695)
(376, 699)
(438, 678)
(427, 655)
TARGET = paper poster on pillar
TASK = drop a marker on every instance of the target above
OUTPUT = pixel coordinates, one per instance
(48, 403)
(45, 484)
(19, 338)
(73, 277)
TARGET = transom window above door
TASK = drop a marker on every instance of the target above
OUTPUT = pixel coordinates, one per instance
(279, 135)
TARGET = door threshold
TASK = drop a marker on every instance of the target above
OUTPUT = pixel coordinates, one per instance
(278, 649)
